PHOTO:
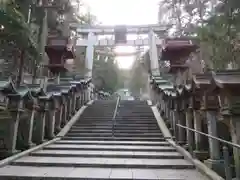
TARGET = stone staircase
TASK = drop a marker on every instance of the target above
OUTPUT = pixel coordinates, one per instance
(90, 151)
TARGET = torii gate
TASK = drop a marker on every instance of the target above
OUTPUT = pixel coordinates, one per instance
(87, 37)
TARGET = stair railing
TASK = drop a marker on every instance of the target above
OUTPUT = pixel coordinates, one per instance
(115, 114)
(227, 165)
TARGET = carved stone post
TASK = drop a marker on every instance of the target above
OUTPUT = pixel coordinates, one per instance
(189, 122)
(158, 99)
(211, 107)
(172, 113)
(228, 84)
(13, 132)
(58, 113)
(10, 138)
(41, 122)
(70, 104)
(199, 84)
(82, 94)
(73, 105)
(50, 125)
(64, 109)
(235, 133)
(28, 127)
(85, 94)
(181, 120)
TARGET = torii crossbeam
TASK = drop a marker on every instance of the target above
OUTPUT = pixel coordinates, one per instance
(110, 30)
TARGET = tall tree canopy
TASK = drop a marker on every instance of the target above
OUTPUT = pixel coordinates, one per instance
(106, 75)
(215, 23)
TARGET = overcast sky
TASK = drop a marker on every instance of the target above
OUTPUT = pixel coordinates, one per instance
(124, 12)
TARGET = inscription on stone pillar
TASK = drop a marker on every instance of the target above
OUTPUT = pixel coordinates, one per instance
(210, 101)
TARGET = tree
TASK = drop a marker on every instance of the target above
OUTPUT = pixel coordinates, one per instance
(215, 23)
(16, 33)
(138, 78)
(106, 75)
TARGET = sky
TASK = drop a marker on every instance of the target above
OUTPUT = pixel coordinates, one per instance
(124, 12)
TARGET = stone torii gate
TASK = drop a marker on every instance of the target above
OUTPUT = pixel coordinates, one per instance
(87, 36)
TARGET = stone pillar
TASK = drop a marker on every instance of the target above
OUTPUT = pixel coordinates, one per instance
(158, 100)
(190, 134)
(166, 109)
(212, 130)
(11, 137)
(198, 153)
(77, 103)
(64, 115)
(73, 103)
(181, 131)
(175, 120)
(154, 99)
(87, 94)
(162, 103)
(172, 119)
(181, 120)
(58, 118)
(51, 123)
(235, 132)
(82, 97)
(70, 106)
(29, 129)
(215, 161)
(40, 131)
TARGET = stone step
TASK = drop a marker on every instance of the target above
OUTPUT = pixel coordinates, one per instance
(117, 124)
(108, 154)
(102, 127)
(103, 162)
(117, 119)
(119, 116)
(132, 131)
(153, 139)
(141, 143)
(80, 173)
(116, 134)
(95, 147)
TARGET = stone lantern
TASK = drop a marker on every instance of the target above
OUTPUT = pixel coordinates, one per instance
(9, 115)
(227, 84)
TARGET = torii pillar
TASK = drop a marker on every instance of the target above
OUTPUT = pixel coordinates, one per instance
(89, 60)
(153, 54)
(90, 54)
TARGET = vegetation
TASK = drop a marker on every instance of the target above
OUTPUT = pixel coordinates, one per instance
(24, 26)
(214, 23)
(107, 75)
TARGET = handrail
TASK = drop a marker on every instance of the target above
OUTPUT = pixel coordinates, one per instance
(210, 136)
(115, 114)
(228, 172)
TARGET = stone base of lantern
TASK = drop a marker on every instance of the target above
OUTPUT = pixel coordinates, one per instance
(181, 143)
(201, 155)
(216, 165)
(7, 153)
(186, 146)
(58, 129)
(41, 142)
(171, 130)
(30, 145)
